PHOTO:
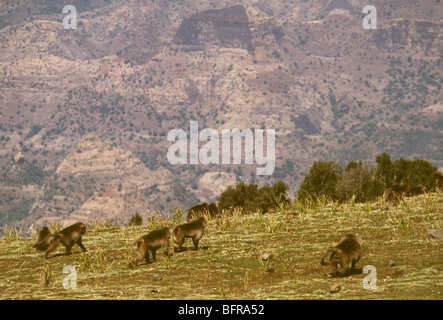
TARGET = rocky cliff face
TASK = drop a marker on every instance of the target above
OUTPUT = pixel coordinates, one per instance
(135, 69)
(419, 35)
(99, 180)
(227, 27)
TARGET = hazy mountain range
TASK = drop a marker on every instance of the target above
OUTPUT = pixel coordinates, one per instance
(84, 113)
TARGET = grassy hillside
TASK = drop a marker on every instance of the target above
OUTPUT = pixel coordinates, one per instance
(229, 265)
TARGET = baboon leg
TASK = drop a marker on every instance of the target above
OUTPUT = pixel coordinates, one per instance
(68, 249)
(195, 241)
(345, 269)
(147, 256)
(51, 248)
(80, 244)
(153, 255)
(340, 272)
(180, 240)
(344, 264)
(353, 264)
(166, 250)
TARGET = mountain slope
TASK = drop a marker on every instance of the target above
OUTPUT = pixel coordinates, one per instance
(133, 70)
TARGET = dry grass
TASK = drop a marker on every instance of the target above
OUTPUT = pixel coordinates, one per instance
(229, 265)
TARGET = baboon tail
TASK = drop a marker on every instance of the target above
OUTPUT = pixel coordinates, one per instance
(40, 246)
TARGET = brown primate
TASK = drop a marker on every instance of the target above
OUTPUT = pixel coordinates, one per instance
(395, 193)
(193, 229)
(151, 242)
(43, 240)
(67, 237)
(197, 210)
(438, 180)
(346, 251)
(416, 191)
(213, 209)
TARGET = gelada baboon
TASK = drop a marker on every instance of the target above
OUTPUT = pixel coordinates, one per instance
(44, 237)
(213, 209)
(197, 210)
(67, 237)
(395, 193)
(417, 190)
(346, 251)
(151, 242)
(438, 180)
(193, 229)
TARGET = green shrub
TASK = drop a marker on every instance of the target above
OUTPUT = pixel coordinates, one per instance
(136, 220)
(401, 171)
(322, 180)
(252, 198)
(361, 180)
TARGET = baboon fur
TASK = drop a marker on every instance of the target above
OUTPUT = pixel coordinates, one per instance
(213, 209)
(67, 237)
(417, 190)
(395, 193)
(438, 181)
(197, 210)
(348, 250)
(151, 242)
(194, 229)
(43, 240)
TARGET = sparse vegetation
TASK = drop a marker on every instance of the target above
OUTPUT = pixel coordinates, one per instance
(251, 198)
(361, 181)
(229, 264)
(333, 91)
(136, 220)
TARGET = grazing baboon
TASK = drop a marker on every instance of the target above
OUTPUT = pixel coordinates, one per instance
(193, 229)
(395, 193)
(197, 210)
(67, 237)
(213, 209)
(151, 242)
(417, 190)
(346, 251)
(438, 180)
(42, 242)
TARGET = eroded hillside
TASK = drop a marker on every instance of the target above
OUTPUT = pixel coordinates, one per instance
(133, 70)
